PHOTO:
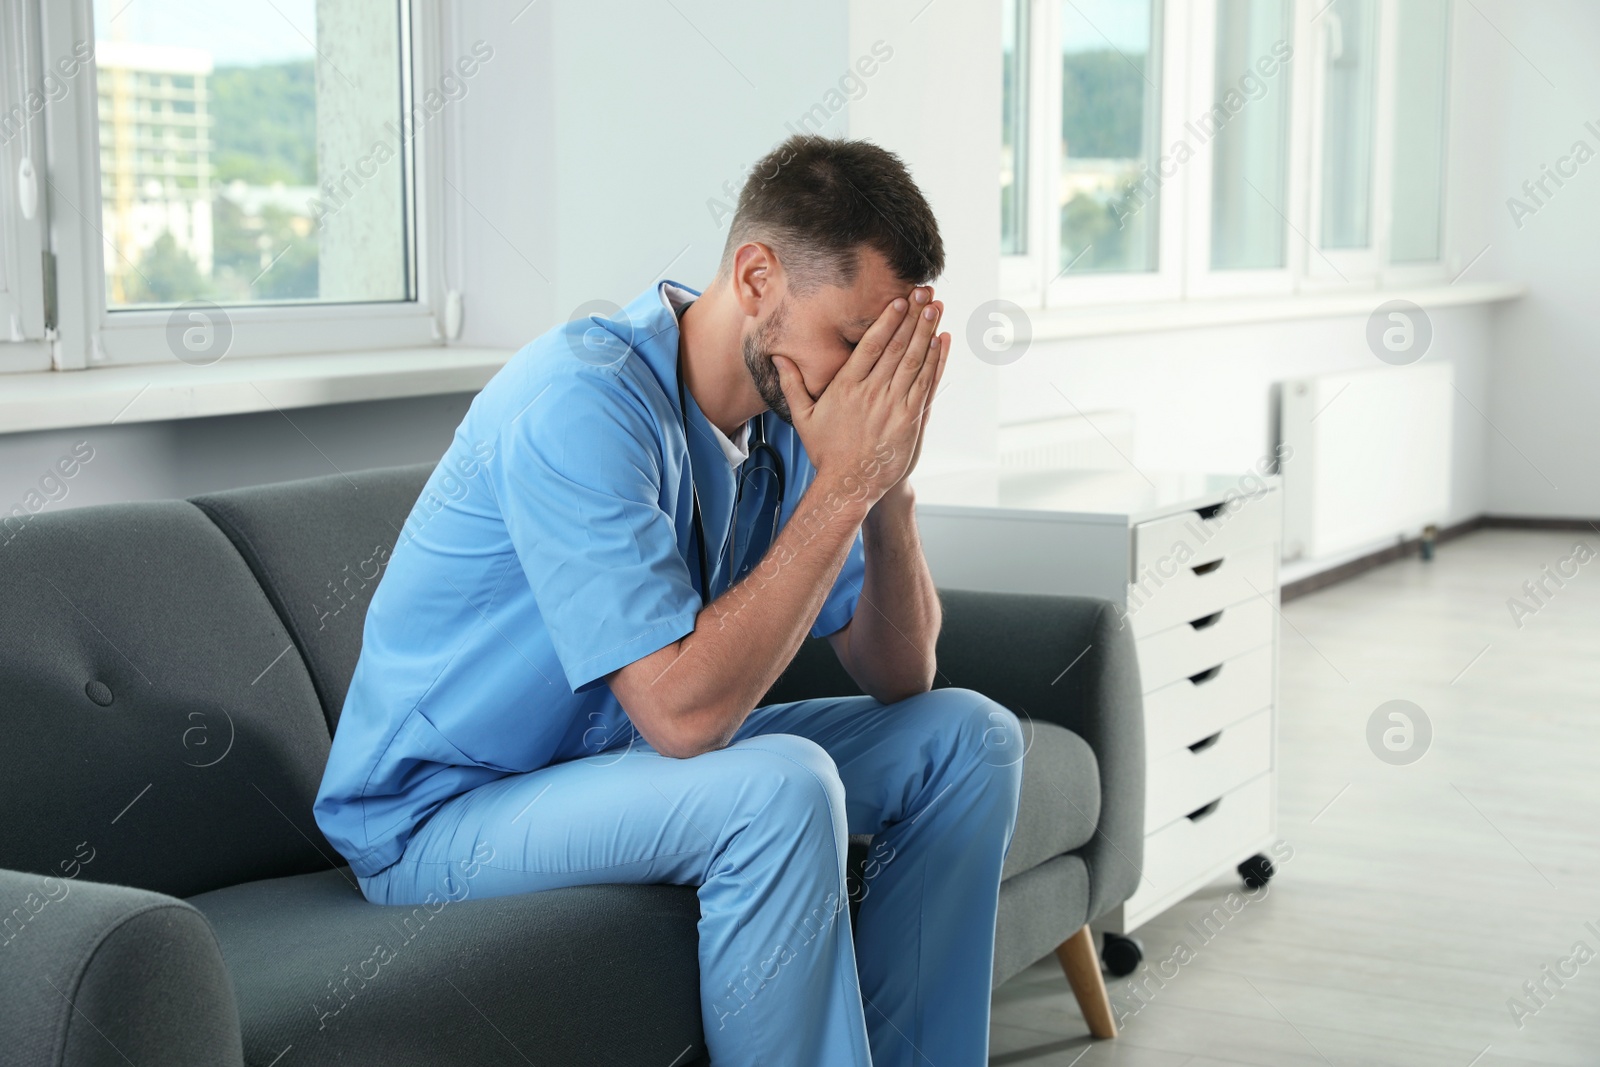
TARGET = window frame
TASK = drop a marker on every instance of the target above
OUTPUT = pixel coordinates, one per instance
(90, 334)
(1039, 275)
(1202, 279)
(1166, 281)
(1419, 272)
(1023, 274)
(23, 345)
(1330, 268)
(1184, 269)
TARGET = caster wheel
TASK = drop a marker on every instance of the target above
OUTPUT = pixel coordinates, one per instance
(1257, 871)
(1121, 955)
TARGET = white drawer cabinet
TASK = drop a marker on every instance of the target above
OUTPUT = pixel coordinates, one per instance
(1187, 779)
(1194, 647)
(1191, 560)
(1199, 589)
(1192, 709)
(1184, 855)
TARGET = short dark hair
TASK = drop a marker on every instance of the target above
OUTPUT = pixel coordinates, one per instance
(817, 200)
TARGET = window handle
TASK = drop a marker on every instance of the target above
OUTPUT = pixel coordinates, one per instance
(27, 189)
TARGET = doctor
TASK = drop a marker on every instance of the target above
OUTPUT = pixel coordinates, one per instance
(638, 522)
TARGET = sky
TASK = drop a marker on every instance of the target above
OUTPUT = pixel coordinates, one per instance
(235, 32)
(1086, 25)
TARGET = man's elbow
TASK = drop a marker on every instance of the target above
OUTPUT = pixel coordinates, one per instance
(684, 735)
(901, 689)
(674, 724)
(687, 748)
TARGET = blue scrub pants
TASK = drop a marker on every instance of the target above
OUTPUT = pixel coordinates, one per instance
(761, 826)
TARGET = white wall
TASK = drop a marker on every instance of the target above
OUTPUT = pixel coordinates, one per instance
(937, 105)
(1202, 398)
(591, 144)
(182, 457)
(1529, 367)
(1526, 101)
(587, 170)
(582, 158)
(588, 156)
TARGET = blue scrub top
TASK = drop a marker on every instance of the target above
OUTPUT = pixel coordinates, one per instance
(552, 545)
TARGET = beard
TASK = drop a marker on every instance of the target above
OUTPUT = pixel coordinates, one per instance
(758, 361)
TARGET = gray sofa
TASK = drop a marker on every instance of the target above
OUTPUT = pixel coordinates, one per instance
(170, 677)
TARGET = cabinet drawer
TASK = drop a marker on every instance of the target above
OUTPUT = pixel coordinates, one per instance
(1169, 595)
(1188, 539)
(1189, 648)
(1192, 708)
(1181, 852)
(1192, 777)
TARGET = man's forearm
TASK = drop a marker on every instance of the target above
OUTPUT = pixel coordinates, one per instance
(709, 681)
(896, 624)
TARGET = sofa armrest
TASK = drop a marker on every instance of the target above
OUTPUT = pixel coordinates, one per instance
(1058, 659)
(1064, 660)
(95, 975)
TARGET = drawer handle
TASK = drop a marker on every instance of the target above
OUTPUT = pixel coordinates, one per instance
(1206, 675)
(1206, 812)
(1210, 511)
(1205, 742)
(1206, 568)
(1209, 620)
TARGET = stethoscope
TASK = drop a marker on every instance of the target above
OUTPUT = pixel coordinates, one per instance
(760, 447)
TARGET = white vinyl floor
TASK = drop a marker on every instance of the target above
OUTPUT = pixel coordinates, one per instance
(1421, 898)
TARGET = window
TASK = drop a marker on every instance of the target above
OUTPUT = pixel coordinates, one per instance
(281, 193)
(1110, 129)
(1221, 147)
(1421, 91)
(1014, 129)
(1250, 169)
(1349, 105)
(1103, 98)
(266, 160)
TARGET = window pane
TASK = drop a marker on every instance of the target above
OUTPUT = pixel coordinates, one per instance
(1350, 37)
(1110, 122)
(1419, 130)
(1250, 114)
(253, 151)
(1014, 128)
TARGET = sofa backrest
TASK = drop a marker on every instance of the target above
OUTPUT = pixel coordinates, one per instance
(171, 674)
(160, 728)
(318, 547)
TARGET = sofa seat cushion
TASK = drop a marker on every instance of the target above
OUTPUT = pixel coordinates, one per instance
(1060, 805)
(603, 974)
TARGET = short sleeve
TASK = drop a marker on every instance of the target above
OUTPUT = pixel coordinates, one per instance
(840, 607)
(578, 478)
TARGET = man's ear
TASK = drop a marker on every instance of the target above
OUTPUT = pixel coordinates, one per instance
(755, 277)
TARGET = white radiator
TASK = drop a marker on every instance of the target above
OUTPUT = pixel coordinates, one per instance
(1091, 440)
(1367, 458)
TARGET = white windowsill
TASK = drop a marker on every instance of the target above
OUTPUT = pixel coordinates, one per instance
(1102, 320)
(100, 396)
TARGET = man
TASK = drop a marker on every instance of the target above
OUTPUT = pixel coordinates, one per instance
(560, 669)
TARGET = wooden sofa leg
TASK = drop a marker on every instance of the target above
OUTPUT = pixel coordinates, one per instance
(1082, 964)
